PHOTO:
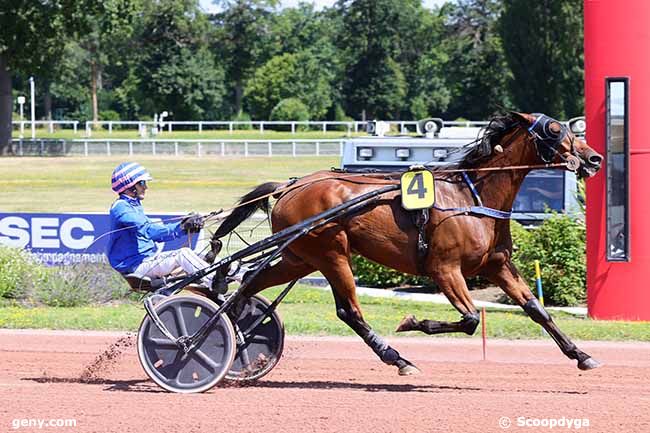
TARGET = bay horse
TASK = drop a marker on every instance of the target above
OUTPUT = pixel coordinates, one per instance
(460, 242)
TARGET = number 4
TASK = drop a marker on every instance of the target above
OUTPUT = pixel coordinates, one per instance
(420, 190)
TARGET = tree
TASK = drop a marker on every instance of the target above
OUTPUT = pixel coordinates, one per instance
(305, 31)
(299, 76)
(382, 42)
(243, 40)
(376, 87)
(426, 63)
(476, 73)
(103, 44)
(543, 43)
(69, 88)
(179, 72)
(30, 33)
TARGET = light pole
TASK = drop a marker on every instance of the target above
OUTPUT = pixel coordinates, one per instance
(33, 103)
(21, 102)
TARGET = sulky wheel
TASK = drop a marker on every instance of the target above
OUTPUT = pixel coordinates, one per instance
(167, 364)
(259, 343)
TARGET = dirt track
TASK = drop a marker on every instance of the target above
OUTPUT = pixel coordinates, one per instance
(331, 385)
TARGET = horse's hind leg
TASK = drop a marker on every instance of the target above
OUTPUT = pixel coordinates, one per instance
(349, 311)
(453, 285)
(330, 254)
(511, 282)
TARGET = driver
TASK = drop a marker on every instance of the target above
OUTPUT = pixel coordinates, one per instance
(131, 246)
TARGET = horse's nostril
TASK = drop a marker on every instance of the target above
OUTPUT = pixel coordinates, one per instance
(595, 159)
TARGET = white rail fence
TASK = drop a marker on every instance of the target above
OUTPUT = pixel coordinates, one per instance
(149, 127)
(238, 148)
(49, 124)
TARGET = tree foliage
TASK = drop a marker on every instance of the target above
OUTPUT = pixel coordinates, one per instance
(476, 73)
(543, 45)
(290, 109)
(384, 59)
(243, 39)
(31, 33)
(298, 76)
(373, 40)
(183, 76)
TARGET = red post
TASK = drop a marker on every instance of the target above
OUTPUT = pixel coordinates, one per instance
(483, 333)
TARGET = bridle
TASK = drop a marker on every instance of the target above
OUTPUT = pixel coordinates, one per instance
(548, 135)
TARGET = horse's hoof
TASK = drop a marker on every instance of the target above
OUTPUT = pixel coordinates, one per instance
(589, 364)
(408, 370)
(407, 324)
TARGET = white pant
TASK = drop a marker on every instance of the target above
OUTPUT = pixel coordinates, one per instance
(164, 263)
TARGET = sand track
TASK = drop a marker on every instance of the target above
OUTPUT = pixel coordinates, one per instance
(330, 385)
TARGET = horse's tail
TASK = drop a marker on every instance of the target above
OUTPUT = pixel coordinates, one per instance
(254, 200)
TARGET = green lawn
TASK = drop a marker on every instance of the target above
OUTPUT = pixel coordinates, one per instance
(309, 311)
(82, 184)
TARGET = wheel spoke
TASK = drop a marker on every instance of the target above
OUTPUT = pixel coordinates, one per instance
(162, 342)
(205, 358)
(177, 359)
(260, 339)
(182, 329)
(245, 357)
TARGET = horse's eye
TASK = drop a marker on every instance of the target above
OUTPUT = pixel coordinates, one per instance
(555, 127)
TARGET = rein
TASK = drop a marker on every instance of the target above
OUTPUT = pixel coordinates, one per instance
(350, 178)
(540, 132)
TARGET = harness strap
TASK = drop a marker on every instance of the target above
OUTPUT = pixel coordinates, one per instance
(477, 210)
(472, 188)
(421, 219)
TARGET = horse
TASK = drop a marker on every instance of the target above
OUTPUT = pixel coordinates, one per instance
(459, 242)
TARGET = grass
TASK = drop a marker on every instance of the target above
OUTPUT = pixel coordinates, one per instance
(82, 184)
(310, 311)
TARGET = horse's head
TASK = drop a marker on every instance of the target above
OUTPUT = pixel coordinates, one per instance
(555, 143)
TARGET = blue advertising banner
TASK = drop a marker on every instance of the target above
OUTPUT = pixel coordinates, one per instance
(64, 239)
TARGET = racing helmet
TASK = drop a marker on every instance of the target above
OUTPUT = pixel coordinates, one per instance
(126, 175)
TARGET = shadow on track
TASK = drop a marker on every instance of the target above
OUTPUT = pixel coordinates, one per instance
(136, 385)
(145, 385)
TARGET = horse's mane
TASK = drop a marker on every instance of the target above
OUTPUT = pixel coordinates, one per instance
(477, 151)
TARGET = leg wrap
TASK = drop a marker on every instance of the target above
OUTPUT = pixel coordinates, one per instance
(469, 323)
(536, 312)
(386, 353)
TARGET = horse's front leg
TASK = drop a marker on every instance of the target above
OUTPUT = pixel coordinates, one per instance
(509, 279)
(453, 285)
(349, 311)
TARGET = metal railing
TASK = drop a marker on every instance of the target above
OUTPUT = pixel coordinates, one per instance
(245, 148)
(20, 124)
(146, 127)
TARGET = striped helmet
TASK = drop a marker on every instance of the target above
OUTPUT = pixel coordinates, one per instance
(128, 174)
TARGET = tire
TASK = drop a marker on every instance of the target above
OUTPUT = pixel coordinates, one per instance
(258, 350)
(167, 364)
